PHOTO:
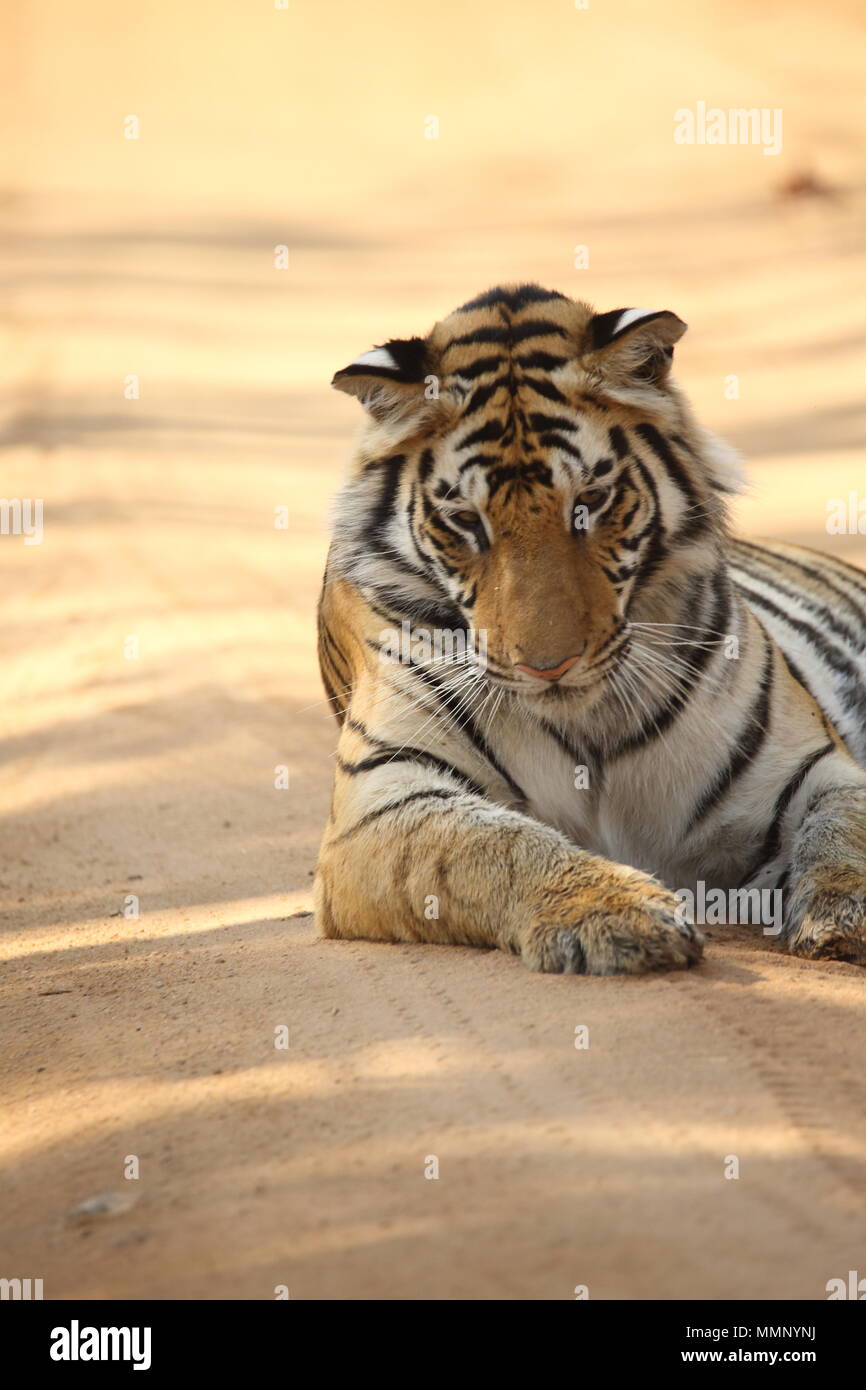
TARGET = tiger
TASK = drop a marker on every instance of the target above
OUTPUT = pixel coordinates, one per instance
(567, 696)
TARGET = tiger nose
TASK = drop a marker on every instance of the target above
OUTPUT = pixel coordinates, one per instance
(550, 673)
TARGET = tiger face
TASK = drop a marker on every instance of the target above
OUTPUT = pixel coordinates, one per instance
(524, 472)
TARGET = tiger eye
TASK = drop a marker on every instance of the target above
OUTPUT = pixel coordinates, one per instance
(466, 518)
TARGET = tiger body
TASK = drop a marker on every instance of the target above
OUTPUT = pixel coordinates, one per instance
(658, 706)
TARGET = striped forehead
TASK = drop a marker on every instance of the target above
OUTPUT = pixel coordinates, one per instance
(505, 360)
(488, 353)
(482, 461)
(538, 443)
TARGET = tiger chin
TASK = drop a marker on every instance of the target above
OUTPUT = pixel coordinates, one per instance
(567, 696)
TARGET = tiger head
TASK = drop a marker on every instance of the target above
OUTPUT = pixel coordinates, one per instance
(529, 471)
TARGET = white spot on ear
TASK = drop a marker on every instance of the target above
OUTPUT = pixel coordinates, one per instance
(376, 357)
(629, 317)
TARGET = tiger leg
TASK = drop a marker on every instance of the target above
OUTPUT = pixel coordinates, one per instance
(428, 860)
(825, 913)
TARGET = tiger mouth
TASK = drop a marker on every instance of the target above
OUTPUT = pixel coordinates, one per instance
(575, 690)
(583, 683)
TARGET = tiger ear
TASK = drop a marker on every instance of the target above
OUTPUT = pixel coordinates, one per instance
(633, 346)
(388, 380)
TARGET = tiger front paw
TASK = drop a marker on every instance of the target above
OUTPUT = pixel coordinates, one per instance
(826, 916)
(615, 921)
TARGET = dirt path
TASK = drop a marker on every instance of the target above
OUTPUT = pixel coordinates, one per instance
(152, 776)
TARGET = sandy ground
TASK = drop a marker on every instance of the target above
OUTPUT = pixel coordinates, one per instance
(152, 775)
